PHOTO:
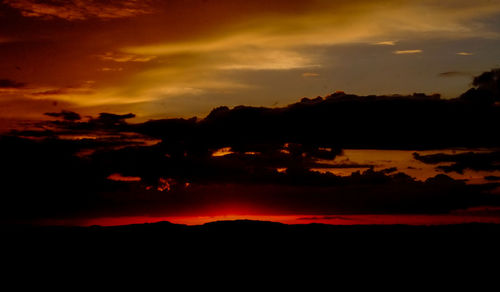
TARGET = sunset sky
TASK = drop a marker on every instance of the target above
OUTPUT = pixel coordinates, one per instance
(330, 111)
(182, 58)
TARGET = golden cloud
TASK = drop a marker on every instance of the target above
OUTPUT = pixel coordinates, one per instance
(122, 58)
(310, 74)
(194, 59)
(407, 52)
(385, 43)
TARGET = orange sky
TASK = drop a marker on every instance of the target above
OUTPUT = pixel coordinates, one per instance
(404, 161)
(182, 58)
(98, 68)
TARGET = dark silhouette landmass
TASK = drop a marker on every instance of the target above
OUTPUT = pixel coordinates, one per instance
(244, 240)
(238, 243)
(256, 228)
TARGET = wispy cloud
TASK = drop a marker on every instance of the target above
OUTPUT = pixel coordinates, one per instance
(122, 58)
(218, 51)
(261, 59)
(80, 10)
(454, 74)
(107, 69)
(310, 74)
(407, 52)
(385, 43)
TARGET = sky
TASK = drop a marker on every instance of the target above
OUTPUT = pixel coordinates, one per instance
(342, 112)
(183, 58)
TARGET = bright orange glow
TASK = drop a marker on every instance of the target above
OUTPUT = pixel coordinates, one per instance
(231, 212)
(165, 184)
(222, 152)
(119, 177)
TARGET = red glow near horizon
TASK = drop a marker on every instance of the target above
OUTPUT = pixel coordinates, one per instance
(360, 219)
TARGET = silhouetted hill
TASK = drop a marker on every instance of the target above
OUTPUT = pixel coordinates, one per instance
(257, 228)
(244, 241)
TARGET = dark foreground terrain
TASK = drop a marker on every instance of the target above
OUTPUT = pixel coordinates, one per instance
(262, 232)
(265, 246)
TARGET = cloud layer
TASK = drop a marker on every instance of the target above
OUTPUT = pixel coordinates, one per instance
(183, 58)
(250, 159)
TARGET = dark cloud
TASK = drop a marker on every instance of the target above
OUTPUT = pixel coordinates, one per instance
(71, 123)
(454, 74)
(389, 170)
(460, 162)
(65, 115)
(107, 119)
(487, 88)
(348, 121)
(45, 179)
(7, 83)
(488, 80)
(179, 178)
(62, 170)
